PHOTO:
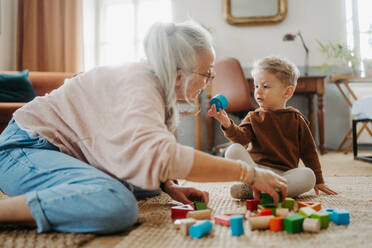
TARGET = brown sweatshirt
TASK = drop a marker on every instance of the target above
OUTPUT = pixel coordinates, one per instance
(277, 139)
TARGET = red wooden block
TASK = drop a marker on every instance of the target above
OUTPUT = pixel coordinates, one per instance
(252, 204)
(180, 212)
(222, 219)
(264, 212)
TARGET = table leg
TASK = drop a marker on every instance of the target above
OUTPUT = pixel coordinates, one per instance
(321, 123)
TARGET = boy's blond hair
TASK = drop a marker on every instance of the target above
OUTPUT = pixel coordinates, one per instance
(282, 68)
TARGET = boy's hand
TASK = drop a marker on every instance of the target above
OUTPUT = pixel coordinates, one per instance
(220, 116)
(324, 188)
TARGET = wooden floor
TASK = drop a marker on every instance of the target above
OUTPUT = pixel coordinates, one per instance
(333, 164)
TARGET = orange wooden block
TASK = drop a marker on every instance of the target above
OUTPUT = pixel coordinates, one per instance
(276, 224)
(317, 206)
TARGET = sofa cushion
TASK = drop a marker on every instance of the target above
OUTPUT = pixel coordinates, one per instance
(16, 87)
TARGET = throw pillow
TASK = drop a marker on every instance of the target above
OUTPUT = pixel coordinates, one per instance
(16, 87)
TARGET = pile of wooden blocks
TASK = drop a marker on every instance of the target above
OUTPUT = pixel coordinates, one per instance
(289, 215)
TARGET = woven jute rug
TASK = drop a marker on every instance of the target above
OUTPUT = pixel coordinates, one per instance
(156, 227)
(12, 236)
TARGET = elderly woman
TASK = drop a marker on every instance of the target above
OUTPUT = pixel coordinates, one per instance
(76, 160)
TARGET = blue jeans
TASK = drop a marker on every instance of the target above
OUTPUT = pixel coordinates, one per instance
(63, 193)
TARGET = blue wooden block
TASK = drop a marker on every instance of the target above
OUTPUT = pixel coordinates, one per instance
(236, 225)
(338, 216)
(201, 228)
(220, 101)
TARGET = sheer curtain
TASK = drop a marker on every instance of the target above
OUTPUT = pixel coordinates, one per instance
(114, 29)
(49, 35)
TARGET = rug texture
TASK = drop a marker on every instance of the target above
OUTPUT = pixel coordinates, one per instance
(12, 236)
(156, 227)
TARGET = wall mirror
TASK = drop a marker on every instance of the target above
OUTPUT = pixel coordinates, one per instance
(254, 12)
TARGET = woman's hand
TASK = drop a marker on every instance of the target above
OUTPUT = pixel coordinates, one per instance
(221, 116)
(324, 188)
(185, 195)
(267, 181)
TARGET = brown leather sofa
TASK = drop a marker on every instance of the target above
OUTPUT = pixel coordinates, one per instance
(43, 82)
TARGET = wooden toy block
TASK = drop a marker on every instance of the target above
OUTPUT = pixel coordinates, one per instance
(260, 222)
(177, 224)
(200, 214)
(222, 219)
(185, 225)
(288, 203)
(235, 212)
(282, 212)
(273, 209)
(200, 228)
(267, 199)
(276, 224)
(180, 212)
(317, 206)
(338, 216)
(342, 217)
(264, 212)
(236, 225)
(306, 211)
(323, 218)
(252, 205)
(311, 225)
(293, 223)
(200, 205)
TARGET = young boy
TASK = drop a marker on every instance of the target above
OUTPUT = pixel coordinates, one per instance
(277, 136)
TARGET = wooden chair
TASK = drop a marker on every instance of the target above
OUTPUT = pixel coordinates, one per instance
(231, 82)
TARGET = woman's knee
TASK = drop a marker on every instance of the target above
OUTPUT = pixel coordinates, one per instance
(235, 151)
(120, 211)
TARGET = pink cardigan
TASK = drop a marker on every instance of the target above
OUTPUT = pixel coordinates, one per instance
(113, 119)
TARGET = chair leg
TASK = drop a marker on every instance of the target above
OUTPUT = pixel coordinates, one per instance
(344, 140)
(351, 144)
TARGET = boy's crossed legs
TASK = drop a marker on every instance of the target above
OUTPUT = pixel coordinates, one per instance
(299, 180)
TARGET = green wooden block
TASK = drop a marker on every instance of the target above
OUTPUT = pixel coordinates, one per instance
(200, 205)
(293, 223)
(323, 218)
(267, 199)
(260, 206)
(288, 203)
(306, 211)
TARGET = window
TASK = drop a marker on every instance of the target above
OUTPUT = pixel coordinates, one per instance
(359, 27)
(114, 29)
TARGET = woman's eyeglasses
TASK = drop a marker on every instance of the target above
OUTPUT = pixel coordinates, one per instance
(209, 76)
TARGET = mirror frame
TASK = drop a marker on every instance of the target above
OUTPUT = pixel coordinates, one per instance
(255, 20)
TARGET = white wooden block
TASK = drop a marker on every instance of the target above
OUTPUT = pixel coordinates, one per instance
(311, 225)
(282, 212)
(185, 225)
(260, 222)
(200, 214)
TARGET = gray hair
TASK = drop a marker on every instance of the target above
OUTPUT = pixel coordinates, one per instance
(282, 68)
(169, 47)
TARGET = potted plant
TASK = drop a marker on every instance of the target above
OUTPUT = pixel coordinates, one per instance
(339, 54)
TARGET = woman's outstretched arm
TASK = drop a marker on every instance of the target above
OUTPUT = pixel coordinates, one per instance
(208, 168)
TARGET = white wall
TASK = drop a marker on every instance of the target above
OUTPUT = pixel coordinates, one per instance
(8, 33)
(316, 19)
